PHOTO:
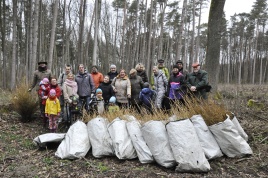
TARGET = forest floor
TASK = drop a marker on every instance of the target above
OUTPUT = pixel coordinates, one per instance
(19, 157)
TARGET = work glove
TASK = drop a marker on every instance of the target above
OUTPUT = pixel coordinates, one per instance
(153, 87)
(92, 94)
(29, 90)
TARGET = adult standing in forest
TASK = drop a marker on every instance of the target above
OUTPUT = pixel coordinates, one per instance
(41, 73)
(183, 71)
(96, 76)
(163, 69)
(122, 88)
(176, 85)
(112, 73)
(141, 72)
(61, 80)
(161, 83)
(136, 87)
(86, 86)
(197, 81)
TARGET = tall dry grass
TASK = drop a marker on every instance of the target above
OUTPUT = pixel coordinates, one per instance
(24, 103)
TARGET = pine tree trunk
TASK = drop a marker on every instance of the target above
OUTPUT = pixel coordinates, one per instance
(14, 47)
(213, 42)
(52, 36)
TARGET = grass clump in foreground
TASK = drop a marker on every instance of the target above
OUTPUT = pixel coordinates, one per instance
(24, 103)
(211, 111)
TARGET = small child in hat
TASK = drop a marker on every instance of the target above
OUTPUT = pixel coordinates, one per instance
(113, 107)
(53, 110)
(147, 96)
(100, 101)
(44, 87)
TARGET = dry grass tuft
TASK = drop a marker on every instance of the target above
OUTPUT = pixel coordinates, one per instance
(24, 102)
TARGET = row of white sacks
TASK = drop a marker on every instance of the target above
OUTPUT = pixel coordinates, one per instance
(186, 144)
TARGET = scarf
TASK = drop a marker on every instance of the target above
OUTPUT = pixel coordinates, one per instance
(71, 84)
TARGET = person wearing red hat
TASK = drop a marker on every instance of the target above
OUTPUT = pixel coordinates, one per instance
(197, 80)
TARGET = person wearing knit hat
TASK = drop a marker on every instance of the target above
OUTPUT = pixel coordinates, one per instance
(198, 81)
(112, 73)
(176, 86)
(53, 110)
(113, 107)
(141, 72)
(43, 92)
(179, 63)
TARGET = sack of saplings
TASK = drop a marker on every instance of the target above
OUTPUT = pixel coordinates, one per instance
(240, 130)
(144, 153)
(155, 135)
(76, 142)
(122, 144)
(229, 140)
(45, 139)
(186, 147)
(99, 137)
(206, 139)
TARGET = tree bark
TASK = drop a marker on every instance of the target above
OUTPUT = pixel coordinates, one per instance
(213, 42)
(52, 36)
(14, 47)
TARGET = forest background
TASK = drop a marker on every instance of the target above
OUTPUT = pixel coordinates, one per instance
(125, 32)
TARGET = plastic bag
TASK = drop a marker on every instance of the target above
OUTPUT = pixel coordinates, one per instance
(186, 147)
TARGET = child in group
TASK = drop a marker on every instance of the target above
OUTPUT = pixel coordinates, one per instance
(100, 101)
(43, 92)
(147, 96)
(53, 110)
(112, 105)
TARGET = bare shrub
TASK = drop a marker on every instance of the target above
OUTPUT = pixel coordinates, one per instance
(24, 103)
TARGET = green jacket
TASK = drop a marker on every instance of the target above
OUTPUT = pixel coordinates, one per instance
(199, 80)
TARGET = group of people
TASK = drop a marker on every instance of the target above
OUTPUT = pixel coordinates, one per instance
(116, 89)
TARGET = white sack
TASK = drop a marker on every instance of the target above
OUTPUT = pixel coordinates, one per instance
(43, 139)
(229, 140)
(186, 147)
(122, 144)
(76, 142)
(206, 139)
(99, 137)
(155, 135)
(240, 130)
(144, 153)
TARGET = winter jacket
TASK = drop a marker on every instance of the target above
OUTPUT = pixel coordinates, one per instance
(146, 96)
(52, 106)
(57, 89)
(164, 70)
(107, 91)
(62, 79)
(161, 83)
(85, 84)
(112, 75)
(40, 75)
(136, 87)
(69, 90)
(143, 75)
(43, 91)
(175, 88)
(123, 87)
(199, 80)
(97, 78)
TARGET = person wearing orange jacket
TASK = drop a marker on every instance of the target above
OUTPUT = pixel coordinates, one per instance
(96, 76)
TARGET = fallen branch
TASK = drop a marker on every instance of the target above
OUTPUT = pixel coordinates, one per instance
(243, 159)
(264, 139)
